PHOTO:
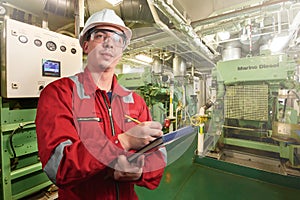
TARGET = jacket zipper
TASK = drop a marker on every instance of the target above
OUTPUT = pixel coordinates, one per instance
(113, 134)
(110, 115)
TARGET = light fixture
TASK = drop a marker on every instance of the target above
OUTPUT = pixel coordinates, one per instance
(223, 35)
(144, 58)
(114, 2)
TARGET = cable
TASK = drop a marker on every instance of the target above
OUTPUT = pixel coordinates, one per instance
(21, 126)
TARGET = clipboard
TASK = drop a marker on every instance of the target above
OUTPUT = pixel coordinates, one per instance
(163, 140)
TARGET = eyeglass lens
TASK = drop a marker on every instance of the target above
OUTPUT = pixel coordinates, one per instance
(101, 35)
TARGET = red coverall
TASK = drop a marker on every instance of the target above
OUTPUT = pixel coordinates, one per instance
(77, 127)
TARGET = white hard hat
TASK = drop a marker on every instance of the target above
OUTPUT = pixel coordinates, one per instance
(105, 17)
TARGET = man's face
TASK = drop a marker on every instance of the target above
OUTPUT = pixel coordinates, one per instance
(104, 48)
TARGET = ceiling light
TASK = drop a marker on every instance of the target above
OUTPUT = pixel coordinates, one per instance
(144, 58)
(223, 35)
(114, 2)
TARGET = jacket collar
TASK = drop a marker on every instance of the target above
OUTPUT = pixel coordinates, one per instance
(90, 87)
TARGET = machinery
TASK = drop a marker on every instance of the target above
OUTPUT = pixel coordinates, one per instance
(170, 96)
(254, 121)
(31, 57)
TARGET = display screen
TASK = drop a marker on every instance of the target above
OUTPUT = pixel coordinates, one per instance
(51, 68)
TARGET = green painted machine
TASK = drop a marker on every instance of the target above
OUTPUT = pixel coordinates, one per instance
(171, 100)
(21, 170)
(255, 117)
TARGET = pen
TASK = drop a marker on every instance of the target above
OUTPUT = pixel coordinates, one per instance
(132, 119)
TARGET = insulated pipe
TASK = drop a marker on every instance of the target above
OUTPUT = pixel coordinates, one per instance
(233, 14)
(159, 22)
(181, 25)
(166, 28)
(79, 16)
(184, 27)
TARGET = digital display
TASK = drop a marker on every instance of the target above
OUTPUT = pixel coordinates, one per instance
(51, 68)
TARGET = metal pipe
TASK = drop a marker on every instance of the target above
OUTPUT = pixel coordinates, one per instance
(235, 13)
(181, 25)
(79, 16)
(165, 28)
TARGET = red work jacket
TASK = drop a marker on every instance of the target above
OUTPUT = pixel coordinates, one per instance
(77, 127)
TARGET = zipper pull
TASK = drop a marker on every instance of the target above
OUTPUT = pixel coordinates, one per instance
(109, 112)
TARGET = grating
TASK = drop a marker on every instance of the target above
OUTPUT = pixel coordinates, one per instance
(247, 102)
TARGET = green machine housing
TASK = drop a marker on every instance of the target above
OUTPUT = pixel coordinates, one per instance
(257, 109)
(155, 89)
(21, 170)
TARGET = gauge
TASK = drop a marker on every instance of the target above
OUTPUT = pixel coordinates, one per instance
(73, 50)
(23, 39)
(51, 46)
(63, 48)
(2, 10)
(38, 42)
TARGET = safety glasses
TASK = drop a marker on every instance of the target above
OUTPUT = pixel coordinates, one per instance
(101, 35)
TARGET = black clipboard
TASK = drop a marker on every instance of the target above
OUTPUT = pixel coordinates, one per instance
(163, 140)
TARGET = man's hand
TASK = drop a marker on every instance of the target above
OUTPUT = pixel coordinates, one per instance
(125, 171)
(140, 135)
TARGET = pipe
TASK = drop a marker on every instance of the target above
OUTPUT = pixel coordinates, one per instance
(165, 28)
(171, 109)
(183, 102)
(170, 3)
(176, 116)
(181, 25)
(236, 13)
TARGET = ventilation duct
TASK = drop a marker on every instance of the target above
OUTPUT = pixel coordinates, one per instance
(138, 12)
(63, 8)
(156, 26)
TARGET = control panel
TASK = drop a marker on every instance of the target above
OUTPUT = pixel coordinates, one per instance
(32, 57)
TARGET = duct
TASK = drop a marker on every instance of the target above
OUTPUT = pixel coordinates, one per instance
(177, 11)
(163, 26)
(153, 33)
(136, 11)
(63, 8)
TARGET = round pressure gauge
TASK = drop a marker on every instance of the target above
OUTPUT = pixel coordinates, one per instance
(37, 42)
(23, 39)
(73, 51)
(2, 10)
(63, 48)
(51, 46)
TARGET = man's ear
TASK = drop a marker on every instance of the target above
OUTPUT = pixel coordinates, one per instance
(85, 47)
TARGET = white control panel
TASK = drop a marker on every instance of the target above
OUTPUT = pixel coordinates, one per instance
(32, 57)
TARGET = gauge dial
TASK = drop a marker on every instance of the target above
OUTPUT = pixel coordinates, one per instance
(51, 46)
(2, 10)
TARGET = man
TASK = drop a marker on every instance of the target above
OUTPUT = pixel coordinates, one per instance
(83, 133)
